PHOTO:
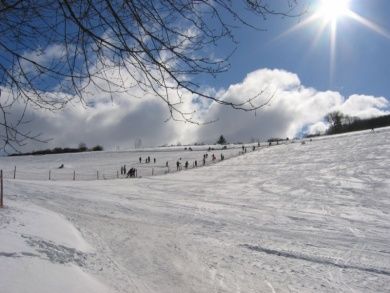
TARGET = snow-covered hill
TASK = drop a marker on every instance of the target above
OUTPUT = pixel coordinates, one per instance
(106, 165)
(311, 217)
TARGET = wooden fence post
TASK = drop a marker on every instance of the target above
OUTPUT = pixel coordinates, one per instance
(1, 188)
(15, 172)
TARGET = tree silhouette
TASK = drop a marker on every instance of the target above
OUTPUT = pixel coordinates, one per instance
(52, 51)
(335, 120)
(221, 140)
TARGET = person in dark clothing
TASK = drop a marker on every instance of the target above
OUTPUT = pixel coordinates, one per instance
(132, 172)
(140, 160)
(196, 163)
(186, 165)
(124, 169)
(154, 160)
(204, 161)
(177, 165)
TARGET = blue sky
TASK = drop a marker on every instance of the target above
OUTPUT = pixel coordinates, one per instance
(362, 62)
(300, 74)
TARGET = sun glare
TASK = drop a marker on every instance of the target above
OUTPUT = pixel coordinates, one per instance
(326, 15)
(331, 10)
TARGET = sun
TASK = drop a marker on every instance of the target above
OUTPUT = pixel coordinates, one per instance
(327, 14)
(332, 10)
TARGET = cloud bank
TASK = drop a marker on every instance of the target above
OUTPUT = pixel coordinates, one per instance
(121, 121)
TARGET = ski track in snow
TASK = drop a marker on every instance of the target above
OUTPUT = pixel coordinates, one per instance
(288, 218)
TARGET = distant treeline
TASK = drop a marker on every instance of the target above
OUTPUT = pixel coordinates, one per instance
(57, 150)
(340, 123)
(277, 139)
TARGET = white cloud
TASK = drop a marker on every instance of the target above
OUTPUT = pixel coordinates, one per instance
(293, 107)
(318, 128)
(125, 118)
(365, 106)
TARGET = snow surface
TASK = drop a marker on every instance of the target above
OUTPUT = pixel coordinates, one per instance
(311, 217)
(106, 165)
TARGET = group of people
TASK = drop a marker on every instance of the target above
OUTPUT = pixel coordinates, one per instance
(132, 173)
(195, 162)
(129, 174)
(147, 160)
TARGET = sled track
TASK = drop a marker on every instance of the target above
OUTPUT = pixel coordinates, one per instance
(319, 260)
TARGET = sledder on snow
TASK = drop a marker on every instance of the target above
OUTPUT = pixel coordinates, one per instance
(132, 173)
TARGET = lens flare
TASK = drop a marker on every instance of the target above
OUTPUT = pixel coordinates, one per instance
(331, 10)
(327, 15)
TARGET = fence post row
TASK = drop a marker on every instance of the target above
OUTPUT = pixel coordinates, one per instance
(1, 188)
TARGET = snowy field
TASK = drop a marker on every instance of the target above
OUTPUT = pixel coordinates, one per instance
(106, 165)
(311, 217)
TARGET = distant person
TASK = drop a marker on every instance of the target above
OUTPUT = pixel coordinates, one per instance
(121, 170)
(186, 165)
(196, 163)
(178, 166)
(154, 160)
(166, 164)
(140, 160)
(124, 169)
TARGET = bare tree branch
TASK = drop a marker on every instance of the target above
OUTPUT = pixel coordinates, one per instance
(159, 46)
